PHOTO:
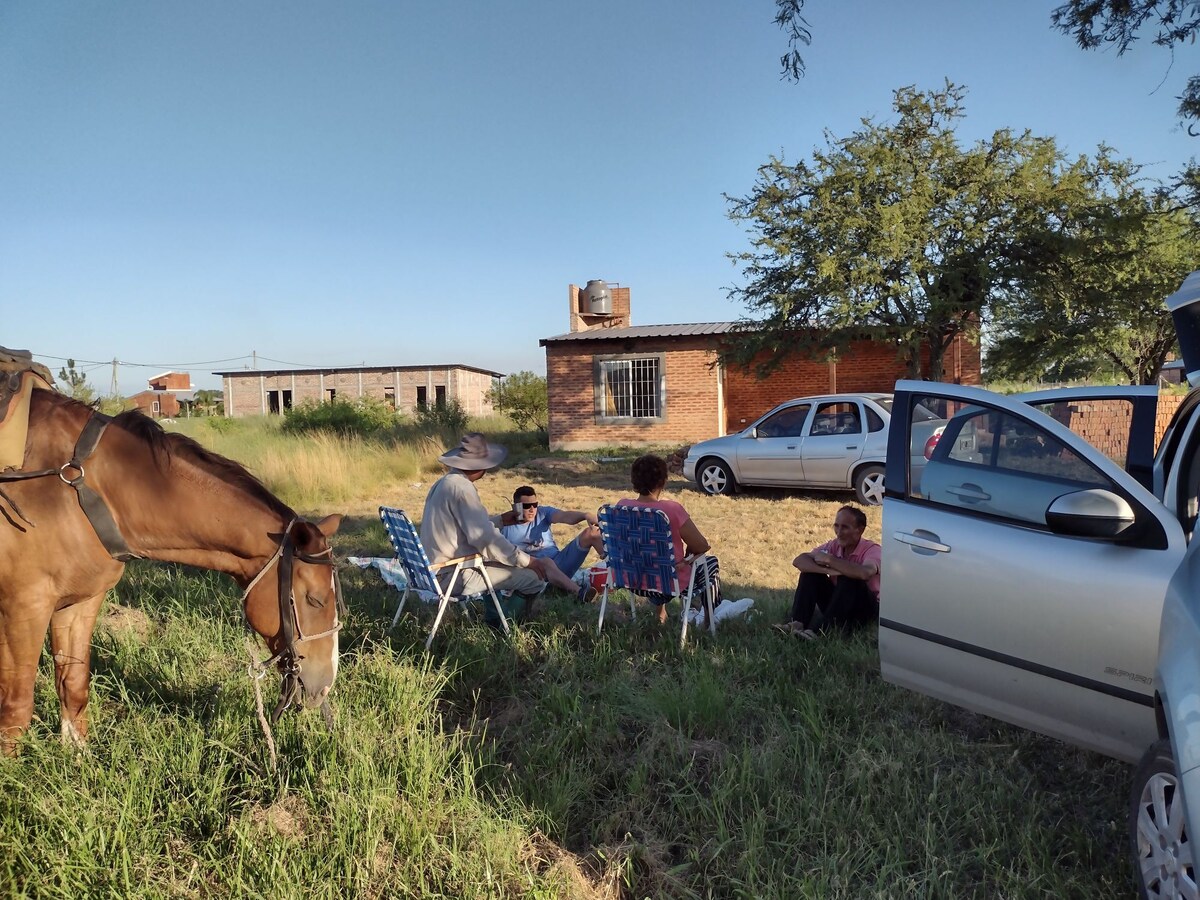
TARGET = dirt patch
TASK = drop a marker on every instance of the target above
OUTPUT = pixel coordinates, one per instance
(287, 817)
(580, 877)
(558, 464)
(126, 622)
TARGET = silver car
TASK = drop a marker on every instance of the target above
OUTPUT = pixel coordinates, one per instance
(1028, 578)
(831, 442)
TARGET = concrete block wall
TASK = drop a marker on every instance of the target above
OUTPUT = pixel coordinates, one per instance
(246, 394)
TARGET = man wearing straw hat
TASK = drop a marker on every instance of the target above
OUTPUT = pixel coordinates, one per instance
(456, 524)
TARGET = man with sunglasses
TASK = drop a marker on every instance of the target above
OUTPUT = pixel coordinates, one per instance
(527, 527)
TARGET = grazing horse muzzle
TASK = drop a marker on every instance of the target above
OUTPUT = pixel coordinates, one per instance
(307, 662)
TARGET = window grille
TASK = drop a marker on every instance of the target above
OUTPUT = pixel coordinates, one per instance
(631, 388)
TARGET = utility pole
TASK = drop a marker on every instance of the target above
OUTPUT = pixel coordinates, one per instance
(254, 356)
(112, 388)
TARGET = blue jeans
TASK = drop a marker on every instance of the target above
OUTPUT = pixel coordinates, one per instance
(569, 558)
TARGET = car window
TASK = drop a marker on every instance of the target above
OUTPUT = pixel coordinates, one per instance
(990, 461)
(874, 420)
(788, 422)
(837, 418)
(1104, 423)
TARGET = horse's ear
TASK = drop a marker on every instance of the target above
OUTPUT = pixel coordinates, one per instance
(329, 525)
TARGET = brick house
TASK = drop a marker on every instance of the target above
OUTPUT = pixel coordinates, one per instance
(168, 394)
(612, 383)
(260, 392)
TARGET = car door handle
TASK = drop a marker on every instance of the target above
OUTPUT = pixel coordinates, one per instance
(791, 446)
(852, 446)
(971, 493)
(930, 543)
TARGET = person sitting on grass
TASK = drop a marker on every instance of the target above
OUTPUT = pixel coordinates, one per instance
(649, 476)
(840, 578)
(527, 527)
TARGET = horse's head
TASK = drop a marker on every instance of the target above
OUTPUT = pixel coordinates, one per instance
(297, 612)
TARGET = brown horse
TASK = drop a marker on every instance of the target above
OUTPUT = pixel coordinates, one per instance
(159, 496)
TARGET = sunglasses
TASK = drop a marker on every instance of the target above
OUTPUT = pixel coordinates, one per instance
(530, 505)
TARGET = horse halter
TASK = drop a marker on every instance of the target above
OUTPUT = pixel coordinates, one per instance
(289, 618)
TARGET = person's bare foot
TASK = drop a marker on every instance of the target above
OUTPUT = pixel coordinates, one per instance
(662, 614)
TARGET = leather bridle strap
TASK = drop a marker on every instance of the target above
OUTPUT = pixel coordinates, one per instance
(92, 504)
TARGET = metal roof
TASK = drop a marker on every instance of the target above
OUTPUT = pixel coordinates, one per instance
(690, 329)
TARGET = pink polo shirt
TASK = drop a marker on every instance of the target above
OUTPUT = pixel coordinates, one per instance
(864, 552)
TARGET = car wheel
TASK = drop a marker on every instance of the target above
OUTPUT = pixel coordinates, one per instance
(714, 477)
(868, 485)
(1158, 829)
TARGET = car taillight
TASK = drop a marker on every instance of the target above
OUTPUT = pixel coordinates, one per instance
(931, 443)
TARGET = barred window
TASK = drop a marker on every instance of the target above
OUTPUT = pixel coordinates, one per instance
(630, 387)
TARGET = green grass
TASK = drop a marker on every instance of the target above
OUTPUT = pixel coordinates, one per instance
(555, 764)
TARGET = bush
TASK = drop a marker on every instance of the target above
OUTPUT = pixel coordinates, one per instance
(362, 416)
(449, 416)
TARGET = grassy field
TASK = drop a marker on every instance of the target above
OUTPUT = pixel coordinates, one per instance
(554, 764)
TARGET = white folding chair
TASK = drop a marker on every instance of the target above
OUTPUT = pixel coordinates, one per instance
(422, 574)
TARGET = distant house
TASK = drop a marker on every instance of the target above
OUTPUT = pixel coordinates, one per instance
(612, 383)
(265, 392)
(168, 395)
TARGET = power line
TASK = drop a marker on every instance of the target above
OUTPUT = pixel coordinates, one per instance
(107, 362)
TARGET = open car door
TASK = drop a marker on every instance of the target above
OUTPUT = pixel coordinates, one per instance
(1023, 569)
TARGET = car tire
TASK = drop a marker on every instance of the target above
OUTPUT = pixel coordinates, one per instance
(714, 477)
(1162, 853)
(868, 485)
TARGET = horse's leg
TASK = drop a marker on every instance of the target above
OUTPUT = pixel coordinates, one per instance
(71, 643)
(21, 639)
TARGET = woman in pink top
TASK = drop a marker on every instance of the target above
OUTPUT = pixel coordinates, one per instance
(649, 476)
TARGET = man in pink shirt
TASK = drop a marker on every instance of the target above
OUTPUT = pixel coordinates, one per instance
(840, 578)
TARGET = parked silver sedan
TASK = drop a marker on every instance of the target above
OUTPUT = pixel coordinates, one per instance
(830, 442)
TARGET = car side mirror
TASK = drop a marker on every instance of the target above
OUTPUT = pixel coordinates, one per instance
(1092, 513)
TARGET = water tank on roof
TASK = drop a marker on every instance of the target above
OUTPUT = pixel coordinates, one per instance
(597, 298)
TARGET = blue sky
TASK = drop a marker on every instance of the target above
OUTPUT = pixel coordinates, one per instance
(410, 183)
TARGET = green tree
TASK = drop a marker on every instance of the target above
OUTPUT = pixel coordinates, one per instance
(894, 233)
(522, 397)
(1100, 23)
(75, 383)
(1097, 302)
(209, 402)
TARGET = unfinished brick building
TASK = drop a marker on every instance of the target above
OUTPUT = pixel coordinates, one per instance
(262, 392)
(612, 383)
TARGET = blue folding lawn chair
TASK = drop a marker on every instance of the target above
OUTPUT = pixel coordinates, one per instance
(641, 559)
(422, 574)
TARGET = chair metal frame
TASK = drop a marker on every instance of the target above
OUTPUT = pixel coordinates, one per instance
(641, 559)
(422, 574)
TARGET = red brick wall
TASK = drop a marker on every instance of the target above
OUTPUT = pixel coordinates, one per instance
(694, 395)
(866, 367)
(691, 394)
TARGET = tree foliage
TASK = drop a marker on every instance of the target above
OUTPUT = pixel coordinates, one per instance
(1097, 23)
(795, 26)
(75, 383)
(896, 233)
(522, 397)
(1097, 302)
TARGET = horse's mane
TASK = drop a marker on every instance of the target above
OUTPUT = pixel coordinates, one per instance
(165, 446)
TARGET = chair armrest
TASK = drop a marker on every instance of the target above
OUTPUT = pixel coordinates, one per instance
(456, 561)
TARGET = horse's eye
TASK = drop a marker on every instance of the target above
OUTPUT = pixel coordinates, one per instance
(318, 602)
